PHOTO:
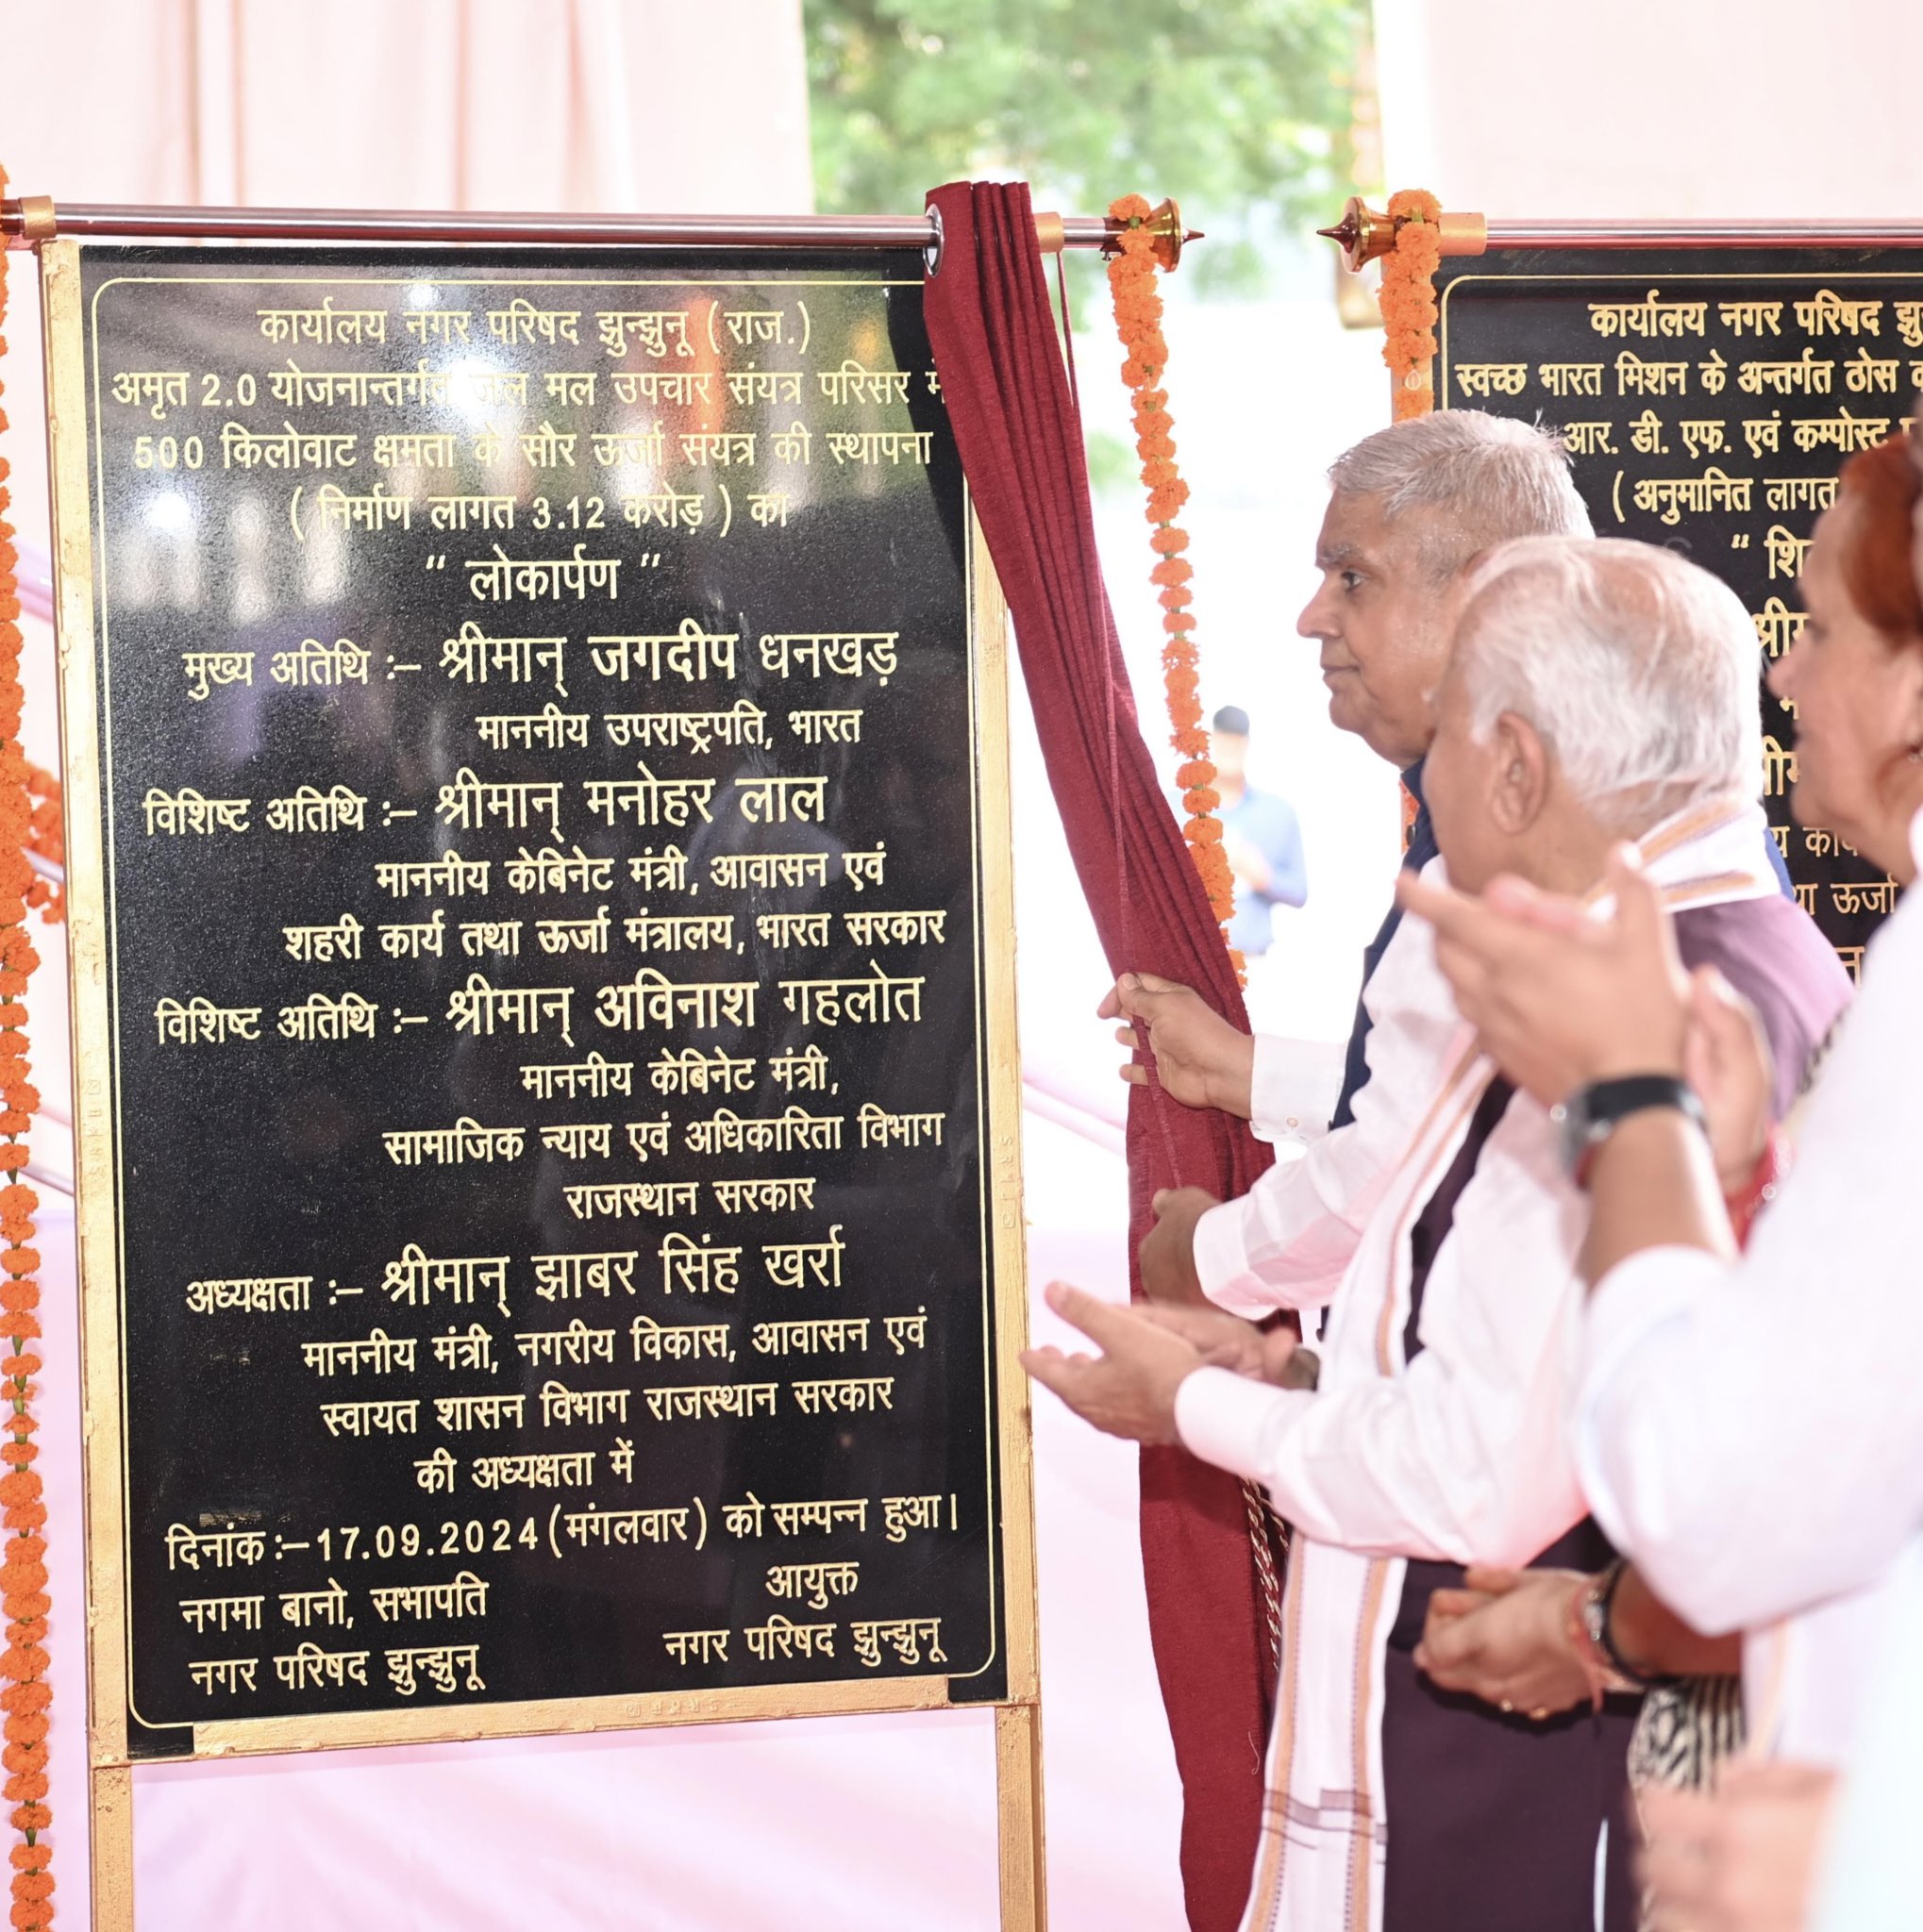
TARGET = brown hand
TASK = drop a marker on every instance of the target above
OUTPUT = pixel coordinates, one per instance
(1743, 1860)
(1224, 1340)
(1129, 1390)
(1200, 1059)
(1505, 1640)
(1167, 1253)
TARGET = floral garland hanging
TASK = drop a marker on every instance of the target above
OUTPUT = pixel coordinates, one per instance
(1407, 300)
(47, 836)
(26, 1695)
(1138, 321)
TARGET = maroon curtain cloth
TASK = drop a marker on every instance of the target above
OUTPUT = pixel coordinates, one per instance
(1020, 439)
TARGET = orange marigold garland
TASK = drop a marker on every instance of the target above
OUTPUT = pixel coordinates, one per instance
(23, 1515)
(1407, 300)
(47, 837)
(1138, 321)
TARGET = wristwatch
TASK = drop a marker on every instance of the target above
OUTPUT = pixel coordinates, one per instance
(1606, 1668)
(1592, 1113)
(1598, 1608)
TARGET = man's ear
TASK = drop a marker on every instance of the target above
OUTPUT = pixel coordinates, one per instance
(1909, 694)
(1519, 774)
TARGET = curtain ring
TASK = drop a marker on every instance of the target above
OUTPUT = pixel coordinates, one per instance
(931, 251)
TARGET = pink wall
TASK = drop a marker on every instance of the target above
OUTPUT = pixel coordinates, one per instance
(1643, 108)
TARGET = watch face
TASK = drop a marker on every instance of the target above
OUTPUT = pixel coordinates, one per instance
(1572, 1124)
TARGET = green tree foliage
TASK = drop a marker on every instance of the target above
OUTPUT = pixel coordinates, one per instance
(1239, 108)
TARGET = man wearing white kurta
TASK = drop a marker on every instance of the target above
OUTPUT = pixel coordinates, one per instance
(1408, 507)
(1711, 1440)
(1596, 691)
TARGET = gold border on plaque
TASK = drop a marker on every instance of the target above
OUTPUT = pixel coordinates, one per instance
(84, 706)
(1000, 1066)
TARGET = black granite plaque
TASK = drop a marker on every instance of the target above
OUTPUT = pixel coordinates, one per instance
(536, 709)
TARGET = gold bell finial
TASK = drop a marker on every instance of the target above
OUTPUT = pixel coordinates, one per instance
(1165, 232)
(1361, 234)
(1164, 224)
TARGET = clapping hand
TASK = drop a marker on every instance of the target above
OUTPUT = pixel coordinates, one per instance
(1741, 1860)
(1129, 1389)
(1148, 1353)
(1223, 1340)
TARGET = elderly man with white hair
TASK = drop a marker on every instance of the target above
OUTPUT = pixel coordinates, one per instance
(1595, 691)
(1408, 507)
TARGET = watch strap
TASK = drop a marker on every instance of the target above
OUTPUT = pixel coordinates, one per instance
(1593, 1113)
(1585, 1627)
(1605, 1635)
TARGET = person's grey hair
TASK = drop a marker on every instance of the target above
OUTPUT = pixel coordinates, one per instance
(1637, 668)
(1488, 478)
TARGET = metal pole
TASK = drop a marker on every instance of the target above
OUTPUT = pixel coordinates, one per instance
(1525, 232)
(34, 219)
(1363, 234)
